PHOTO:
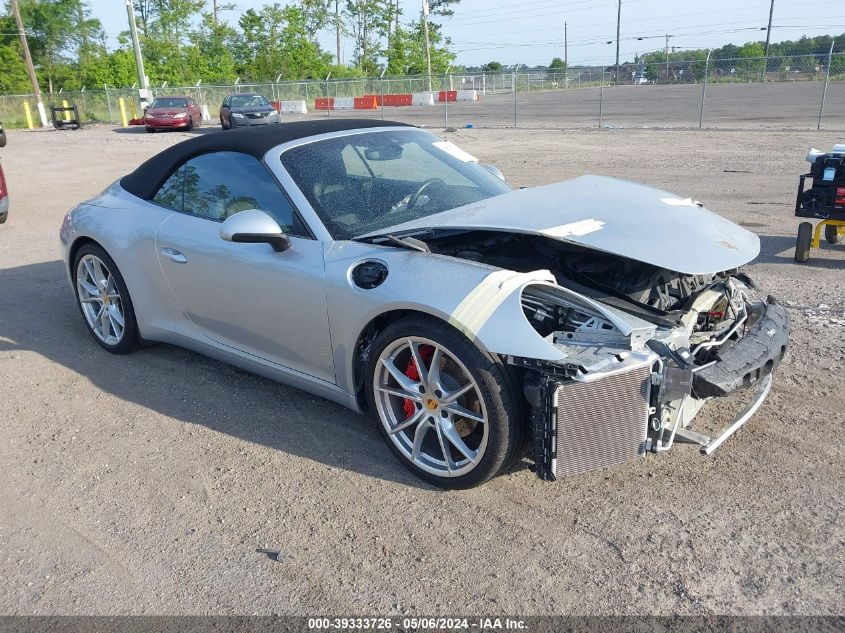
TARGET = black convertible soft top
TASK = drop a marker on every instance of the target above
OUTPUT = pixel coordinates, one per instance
(256, 141)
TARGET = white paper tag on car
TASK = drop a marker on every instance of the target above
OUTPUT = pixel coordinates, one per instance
(574, 229)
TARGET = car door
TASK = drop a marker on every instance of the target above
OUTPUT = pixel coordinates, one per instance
(194, 111)
(224, 112)
(244, 296)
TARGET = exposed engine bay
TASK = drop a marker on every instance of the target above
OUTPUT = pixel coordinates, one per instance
(681, 340)
(704, 305)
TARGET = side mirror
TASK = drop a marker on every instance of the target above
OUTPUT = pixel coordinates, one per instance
(254, 226)
(494, 170)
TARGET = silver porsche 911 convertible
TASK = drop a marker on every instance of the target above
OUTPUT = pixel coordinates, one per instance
(375, 264)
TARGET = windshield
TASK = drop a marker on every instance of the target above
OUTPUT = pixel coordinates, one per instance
(368, 182)
(169, 102)
(248, 101)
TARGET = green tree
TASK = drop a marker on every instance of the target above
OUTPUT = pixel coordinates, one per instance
(397, 52)
(441, 56)
(557, 64)
(277, 40)
(210, 54)
(492, 67)
(368, 22)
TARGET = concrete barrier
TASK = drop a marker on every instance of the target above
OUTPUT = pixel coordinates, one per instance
(344, 103)
(467, 95)
(422, 98)
(296, 107)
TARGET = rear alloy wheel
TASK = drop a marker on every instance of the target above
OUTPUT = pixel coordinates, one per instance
(104, 300)
(445, 408)
(833, 234)
(803, 242)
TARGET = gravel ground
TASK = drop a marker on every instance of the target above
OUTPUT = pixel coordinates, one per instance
(145, 484)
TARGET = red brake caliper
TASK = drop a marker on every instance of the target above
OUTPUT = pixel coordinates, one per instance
(411, 371)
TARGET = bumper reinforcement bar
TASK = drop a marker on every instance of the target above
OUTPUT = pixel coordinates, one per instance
(708, 444)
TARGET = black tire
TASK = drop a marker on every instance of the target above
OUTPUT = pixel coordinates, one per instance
(832, 235)
(131, 339)
(190, 123)
(223, 124)
(803, 242)
(2, 138)
(497, 385)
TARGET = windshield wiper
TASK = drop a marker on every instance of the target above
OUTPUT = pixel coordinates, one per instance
(402, 240)
(409, 242)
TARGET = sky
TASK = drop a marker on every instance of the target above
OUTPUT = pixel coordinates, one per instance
(531, 31)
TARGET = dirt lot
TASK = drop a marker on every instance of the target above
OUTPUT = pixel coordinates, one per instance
(145, 484)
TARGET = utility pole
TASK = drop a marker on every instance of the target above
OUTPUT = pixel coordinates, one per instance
(136, 45)
(769, 28)
(667, 57)
(768, 39)
(337, 31)
(618, 31)
(565, 47)
(427, 43)
(30, 69)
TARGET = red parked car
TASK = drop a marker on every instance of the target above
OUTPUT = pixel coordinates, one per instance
(169, 113)
(4, 198)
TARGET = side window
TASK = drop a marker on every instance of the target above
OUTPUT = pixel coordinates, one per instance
(221, 184)
(170, 193)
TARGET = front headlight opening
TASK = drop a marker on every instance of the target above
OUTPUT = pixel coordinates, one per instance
(547, 315)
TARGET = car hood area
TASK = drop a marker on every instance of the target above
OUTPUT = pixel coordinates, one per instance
(165, 111)
(252, 109)
(615, 216)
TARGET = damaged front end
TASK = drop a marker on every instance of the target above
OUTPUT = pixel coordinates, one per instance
(631, 381)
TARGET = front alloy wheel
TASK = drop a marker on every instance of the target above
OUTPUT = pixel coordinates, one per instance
(104, 300)
(446, 409)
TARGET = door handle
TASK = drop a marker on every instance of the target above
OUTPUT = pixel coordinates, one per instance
(173, 255)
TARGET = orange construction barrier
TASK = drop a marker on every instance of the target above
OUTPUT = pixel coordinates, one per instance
(324, 104)
(451, 94)
(367, 102)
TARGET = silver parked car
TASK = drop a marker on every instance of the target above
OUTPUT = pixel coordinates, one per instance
(384, 268)
(244, 110)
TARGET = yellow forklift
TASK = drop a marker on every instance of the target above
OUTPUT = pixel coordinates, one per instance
(824, 200)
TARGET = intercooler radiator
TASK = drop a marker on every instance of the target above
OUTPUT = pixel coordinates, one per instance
(601, 422)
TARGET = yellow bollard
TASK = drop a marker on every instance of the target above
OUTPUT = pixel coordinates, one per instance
(132, 107)
(122, 104)
(28, 114)
(65, 105)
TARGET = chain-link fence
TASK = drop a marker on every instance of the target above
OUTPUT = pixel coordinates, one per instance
(795, 92)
